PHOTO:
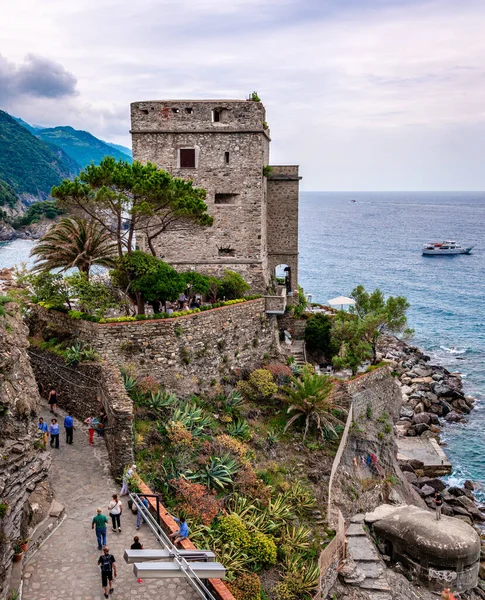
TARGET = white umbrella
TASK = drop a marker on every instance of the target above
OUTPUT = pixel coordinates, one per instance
(343, 301)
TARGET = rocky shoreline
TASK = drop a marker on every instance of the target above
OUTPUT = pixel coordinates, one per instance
(431, 397)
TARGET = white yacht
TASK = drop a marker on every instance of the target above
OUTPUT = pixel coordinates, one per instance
(447, 247)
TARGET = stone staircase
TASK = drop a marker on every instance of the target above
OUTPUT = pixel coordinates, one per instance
(368, 569)
(298, 352)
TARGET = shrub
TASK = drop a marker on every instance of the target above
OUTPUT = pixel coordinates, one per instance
(232, 285)
(259, 386)
(3, 509)
(318, 335)
(179, 435)
(240, 429)
(234, 531)
(263, 549)
(247, 483)
(196, 501)
(226, 443)
(148, 385)
(247, 586)
(281, 373)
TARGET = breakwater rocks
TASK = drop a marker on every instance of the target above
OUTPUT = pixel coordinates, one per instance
(430, 393)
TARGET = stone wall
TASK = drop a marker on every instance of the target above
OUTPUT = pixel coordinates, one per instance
(22, 466)
(376, 390)
(230, 155)
(282, 220)
(185, 354)
(86, 389)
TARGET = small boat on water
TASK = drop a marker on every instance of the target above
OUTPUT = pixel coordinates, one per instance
(444, 248)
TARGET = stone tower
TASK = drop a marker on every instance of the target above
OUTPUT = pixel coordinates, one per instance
(223, 147)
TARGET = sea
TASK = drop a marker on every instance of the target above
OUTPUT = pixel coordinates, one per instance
(375, 239)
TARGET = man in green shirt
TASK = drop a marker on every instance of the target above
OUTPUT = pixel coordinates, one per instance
(99, 523)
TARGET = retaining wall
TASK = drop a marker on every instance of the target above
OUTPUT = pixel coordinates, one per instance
(84, 391)
(185, 354)
(376, 390)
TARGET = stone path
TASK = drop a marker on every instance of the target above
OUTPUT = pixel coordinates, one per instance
(66, 565)
(426, 450)
(370, 569)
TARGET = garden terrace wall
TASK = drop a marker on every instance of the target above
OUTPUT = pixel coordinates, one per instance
(376, 390)
(185, 354)
(86, 389)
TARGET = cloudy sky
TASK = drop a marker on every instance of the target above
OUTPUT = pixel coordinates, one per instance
(363, 94)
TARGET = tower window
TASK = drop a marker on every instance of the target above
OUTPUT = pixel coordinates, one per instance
(189, 110)
(187, 158)
(175, 110)
(225, 198)
(226, 158)
(226, 251)
(216, 116)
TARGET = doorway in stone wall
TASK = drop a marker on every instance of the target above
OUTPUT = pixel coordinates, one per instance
(282, 274)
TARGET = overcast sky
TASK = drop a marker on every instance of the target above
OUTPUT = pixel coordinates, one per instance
(363, 94)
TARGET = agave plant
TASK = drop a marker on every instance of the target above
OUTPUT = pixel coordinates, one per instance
(279, 509)
(234, 401)
(239, 429)
(272, 437)
(300, 497)
(304, 574)
(310, 398)
(192, 417)
(157, 401)
(218, 474)
(73, 355)
(128, 381)
(298, 539)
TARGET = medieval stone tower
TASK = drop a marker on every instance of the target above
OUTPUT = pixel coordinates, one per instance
(223, 146)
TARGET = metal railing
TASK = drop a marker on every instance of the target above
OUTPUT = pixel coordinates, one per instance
(194, 581)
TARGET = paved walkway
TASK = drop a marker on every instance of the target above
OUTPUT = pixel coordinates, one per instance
(426, 450)
(66, 565)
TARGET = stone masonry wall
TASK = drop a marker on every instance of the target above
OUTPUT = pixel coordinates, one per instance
(185, 354)
(86, 389)
(376, 390)
(282, 220)
(230, 155)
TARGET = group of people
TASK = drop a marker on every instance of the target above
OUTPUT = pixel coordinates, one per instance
(96, 424)
(99, 524)
(370, 462)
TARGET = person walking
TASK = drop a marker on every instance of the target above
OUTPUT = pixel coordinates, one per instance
(69, 427)
(438, 502)
(139, 516)
(54, 433)
(99, 524)
(126, 480)
(91, 422)
(52, 400)
(42, 425)
(115, 508)
(137, 545)
(107, 564)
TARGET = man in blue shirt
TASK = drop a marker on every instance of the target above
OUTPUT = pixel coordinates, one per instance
(69, 427)
(54, 431)
(183, 531)
(44, 429)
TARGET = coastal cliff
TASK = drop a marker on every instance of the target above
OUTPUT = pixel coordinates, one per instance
(22, 466)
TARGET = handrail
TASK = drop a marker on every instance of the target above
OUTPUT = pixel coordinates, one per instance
(193, 580)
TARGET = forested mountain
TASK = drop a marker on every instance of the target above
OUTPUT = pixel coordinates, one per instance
(81, 146)
(29, 166)
(123, 149)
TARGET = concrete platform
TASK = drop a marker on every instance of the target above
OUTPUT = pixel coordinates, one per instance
(427, 451)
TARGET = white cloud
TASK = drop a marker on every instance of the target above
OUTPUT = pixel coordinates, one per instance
(363, 94)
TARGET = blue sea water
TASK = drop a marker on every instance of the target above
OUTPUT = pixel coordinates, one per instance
(376, 241)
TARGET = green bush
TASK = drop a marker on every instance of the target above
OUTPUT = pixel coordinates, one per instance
(318, 335)
(247, 586)
(263, 549)
(234, 531)
(232, 286)
(259, 386)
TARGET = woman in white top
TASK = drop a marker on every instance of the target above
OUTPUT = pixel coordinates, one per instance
(115, 508)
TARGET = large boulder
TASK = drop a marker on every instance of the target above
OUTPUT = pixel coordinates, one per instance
(456, 491)
(411, 477)
(453, 417)
(420, 428)
(422, 418)
(433, 482)
(426, 490)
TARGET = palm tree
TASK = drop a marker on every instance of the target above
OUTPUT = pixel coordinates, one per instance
(310, 397)
(74, 242)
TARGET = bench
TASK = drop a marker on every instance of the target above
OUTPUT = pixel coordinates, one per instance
(132, 556)
(161, 570)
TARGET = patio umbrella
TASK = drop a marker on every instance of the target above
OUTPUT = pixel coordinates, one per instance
(342, 300)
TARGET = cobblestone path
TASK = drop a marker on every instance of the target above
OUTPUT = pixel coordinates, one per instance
(65, 567)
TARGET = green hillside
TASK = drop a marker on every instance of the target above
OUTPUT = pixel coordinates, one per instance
(123, 149)
(29, 165)
(81, 146)
(8, 197)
